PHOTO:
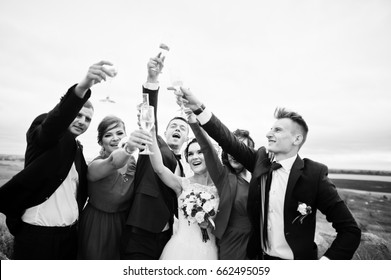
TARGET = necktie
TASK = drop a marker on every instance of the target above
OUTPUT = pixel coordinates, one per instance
(178, 158)
(273, 167)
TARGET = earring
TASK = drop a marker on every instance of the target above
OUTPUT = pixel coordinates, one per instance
(102, 152)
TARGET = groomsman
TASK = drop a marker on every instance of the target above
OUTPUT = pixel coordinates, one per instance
(43, 201)
(149, 225)
(284, 196)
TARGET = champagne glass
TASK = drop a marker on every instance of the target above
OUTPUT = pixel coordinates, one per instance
(109, 77)
(147, 120)
(138, 107)
(145, 99)
(112, 70)
(176, 84)
(163, 50)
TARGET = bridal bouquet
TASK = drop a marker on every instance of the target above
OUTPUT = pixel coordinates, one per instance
(199, 207)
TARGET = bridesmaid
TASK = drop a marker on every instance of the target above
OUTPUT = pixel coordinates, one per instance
(233, 226)
(110, 182)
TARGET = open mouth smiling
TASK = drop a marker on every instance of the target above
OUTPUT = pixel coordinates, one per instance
(176, 135)
(196, 163)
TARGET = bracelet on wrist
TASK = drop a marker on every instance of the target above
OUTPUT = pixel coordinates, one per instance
(126, 149)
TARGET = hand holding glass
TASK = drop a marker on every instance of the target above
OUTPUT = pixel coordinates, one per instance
(163, 51)
(147, 120)
(176, 84)
(112, 72)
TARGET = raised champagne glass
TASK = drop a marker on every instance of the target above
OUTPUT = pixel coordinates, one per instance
(176, 84)
(111, 73)
(147, 120)
(145, 99)
(163, 50)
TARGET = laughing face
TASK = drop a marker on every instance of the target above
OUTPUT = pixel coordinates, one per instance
(82, 121)
(176, 134)
(195, 158)
(112, 137)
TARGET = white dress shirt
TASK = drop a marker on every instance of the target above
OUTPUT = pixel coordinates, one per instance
(278, 245)
(60, 209)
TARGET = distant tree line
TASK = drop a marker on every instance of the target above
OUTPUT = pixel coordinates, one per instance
(360, 172)
(11, 157)
(331, 170)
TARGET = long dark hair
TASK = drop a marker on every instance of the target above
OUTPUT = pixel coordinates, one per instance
(241, 134)
(194, 140)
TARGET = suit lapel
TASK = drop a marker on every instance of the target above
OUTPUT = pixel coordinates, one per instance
(295, 174)
(257, 190)
(78, 156)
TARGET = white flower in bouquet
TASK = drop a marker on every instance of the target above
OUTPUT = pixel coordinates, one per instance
(209, 206)
(189, 208)
(205, 195)
(200, 217)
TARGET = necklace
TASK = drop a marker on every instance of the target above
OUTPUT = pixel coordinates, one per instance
(124, 177)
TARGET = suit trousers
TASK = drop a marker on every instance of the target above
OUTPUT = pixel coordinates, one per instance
(139, 244)
(45, 243)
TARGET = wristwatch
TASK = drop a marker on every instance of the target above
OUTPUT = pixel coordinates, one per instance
(199, 110)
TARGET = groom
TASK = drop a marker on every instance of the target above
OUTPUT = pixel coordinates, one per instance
(284, 196)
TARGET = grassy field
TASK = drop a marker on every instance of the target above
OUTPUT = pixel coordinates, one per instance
(372, 211)
(370, 207)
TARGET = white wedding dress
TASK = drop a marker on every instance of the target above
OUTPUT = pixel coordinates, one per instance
(186, 243)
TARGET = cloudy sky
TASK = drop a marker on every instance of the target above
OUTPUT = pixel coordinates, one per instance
(328, 60)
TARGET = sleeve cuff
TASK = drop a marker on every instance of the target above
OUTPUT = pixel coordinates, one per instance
(151, 86)
(204, 117)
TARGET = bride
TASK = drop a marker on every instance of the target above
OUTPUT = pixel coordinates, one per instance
(198, 203)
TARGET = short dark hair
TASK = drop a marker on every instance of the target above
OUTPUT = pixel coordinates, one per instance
(194, 140)
(283, 113)
(88, 104)
(177, 118)
(107, 122)
(241, 134)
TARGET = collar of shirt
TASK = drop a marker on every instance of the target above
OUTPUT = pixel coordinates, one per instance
(246, 176)
(288, 162)
(151, 86)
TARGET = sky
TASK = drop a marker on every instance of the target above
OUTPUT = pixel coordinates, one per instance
(328, 60)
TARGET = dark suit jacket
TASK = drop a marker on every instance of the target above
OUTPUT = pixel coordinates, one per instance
(51, 151)
(308, 183)
(227, 185)
(154, 203)
(225, 181)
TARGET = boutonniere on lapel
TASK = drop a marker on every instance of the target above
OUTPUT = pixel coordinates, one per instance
(304, 210)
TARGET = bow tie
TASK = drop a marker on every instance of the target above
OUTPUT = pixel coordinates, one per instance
(275, 166)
